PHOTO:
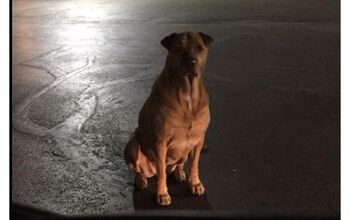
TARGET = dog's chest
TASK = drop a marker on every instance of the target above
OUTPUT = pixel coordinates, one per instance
(185, 137)
(189, 122)
(178, 147)
(188, 106)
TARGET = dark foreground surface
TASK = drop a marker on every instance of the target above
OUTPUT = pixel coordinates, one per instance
(82, 69)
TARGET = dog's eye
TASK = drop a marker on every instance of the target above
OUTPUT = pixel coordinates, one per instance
(199, 48)
(177, 48)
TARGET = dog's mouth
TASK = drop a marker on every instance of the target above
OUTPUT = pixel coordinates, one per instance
(190, 72)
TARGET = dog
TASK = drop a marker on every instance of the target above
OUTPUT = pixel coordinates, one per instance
(174, 119)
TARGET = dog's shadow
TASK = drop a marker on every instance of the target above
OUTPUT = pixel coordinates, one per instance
(181, 197)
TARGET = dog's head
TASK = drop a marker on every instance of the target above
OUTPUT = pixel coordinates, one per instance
(187, 52)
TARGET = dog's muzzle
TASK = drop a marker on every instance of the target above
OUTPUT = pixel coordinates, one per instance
(191, 68)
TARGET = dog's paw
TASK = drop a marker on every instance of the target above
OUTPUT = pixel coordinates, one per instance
(180, 176)
(141, 182)
(141, 185)
(164, 199)
(197, 189)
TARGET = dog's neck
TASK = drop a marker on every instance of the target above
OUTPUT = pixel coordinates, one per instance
(191, 90)
(187, 89)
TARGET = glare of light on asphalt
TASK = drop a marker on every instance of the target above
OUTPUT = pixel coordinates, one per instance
(84, 10)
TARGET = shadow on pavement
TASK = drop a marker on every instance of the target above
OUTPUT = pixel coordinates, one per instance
(181, 197)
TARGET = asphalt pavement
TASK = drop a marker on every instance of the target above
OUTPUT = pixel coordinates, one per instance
(81, 71)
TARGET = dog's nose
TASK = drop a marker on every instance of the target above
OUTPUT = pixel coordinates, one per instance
(191, 62)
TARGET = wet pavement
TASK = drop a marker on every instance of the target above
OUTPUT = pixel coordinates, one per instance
(81, 71)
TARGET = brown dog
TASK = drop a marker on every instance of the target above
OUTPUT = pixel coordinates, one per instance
(174, 119)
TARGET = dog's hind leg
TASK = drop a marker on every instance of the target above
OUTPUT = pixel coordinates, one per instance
(138, 162)
(132, 155)
(179, 173)
(131, 151)
(140, 181)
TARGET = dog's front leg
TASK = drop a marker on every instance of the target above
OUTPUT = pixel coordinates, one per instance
(197, 187)
(163, 197)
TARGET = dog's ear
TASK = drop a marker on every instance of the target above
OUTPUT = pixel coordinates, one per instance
(206, 39)
(168, 40)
